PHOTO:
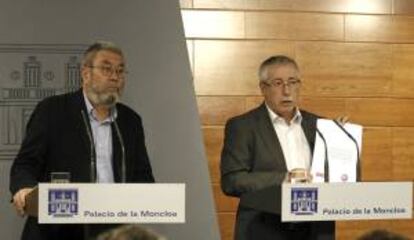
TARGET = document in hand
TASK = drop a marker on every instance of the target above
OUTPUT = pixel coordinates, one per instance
(340, 147)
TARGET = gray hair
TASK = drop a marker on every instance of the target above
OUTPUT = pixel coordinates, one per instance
(92, 50)
(275, 60)
(130, 232)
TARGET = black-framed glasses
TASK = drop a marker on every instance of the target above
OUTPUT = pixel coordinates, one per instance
(108, 70)
(292, 83)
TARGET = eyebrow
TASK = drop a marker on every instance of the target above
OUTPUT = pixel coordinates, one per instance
(106, 62)
(281, 79)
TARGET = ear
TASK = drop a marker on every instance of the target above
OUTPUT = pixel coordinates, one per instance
(262, 86)
(85, 74)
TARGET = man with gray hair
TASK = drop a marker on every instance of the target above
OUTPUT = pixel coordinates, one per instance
(86, 134)
(268, 145)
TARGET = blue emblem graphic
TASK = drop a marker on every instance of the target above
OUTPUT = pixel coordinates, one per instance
(63, 202)
(304, 201)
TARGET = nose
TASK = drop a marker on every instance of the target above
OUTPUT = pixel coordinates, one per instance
(286, 89)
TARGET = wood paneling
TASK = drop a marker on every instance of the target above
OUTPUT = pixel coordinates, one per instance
(368, 28)
(403, 7)
(213, 141)
(403, 154)
(226, 225)
(306, 26)
(230, 67)
(356, 6)
(217, 110)
(376, 159)
(213, 24)
(359, 65)
(393, 29)
(403, 70)
(253, 102)
(345, 69)
(223, 202)
(220, 4)
(352, 229)
(404, 227)
(186, 3)
(381, 111)
(325, 107)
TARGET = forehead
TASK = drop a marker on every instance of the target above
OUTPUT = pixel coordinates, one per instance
(108, 57)
(284, 71)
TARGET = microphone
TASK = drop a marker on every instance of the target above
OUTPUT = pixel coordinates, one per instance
(121, 142)
(326, 160)
(350, 136)
(92, 147)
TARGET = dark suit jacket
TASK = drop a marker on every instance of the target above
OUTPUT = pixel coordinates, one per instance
(252, 159)
(56, 141)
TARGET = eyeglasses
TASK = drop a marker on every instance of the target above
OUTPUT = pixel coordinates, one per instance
(292, 83)
(107, 71)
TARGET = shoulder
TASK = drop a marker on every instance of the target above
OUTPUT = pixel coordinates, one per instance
(247, 119)
(127, 113)
(309, 115)
(57, 102)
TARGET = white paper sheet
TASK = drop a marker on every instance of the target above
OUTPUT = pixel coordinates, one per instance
(342, 152)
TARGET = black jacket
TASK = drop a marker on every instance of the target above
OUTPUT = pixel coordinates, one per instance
(56, 141)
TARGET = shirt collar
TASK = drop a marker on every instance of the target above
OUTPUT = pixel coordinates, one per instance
(276, 118)
(113, 113)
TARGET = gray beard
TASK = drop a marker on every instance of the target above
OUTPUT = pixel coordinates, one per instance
(103, 99)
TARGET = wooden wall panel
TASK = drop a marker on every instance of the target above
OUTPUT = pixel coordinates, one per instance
(392, 29)
(306, 26)
(404, 227)
(230, 67)
(376, 159)
(226, 225)
(359, 65)
(325, 107)
(346, 230)
(345, 69)
(217, 24)
(217, 110)
(403, 7)
(356, 6)
(186, 3)
(368, 28)
(223, 202)
(403, 70)
(381, 111)
(213, 141)
(403, 154)
(253, 102)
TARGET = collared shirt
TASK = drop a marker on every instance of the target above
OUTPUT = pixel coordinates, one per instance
(102, 137)
(292, 139)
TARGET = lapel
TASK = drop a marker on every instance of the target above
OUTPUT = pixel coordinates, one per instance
(77, 107)
(268, 134)
(80, 117)
(116, 151)
(309, 128)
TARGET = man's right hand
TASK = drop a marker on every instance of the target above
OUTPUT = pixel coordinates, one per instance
(19, 200)
(299, 175)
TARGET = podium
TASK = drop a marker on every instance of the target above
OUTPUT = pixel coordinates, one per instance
(334, 201)
(107, 203)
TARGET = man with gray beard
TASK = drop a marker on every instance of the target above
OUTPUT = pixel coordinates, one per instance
(87, 134)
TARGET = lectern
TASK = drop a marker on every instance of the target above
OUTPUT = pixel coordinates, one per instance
(334, 201)
(107, 203)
